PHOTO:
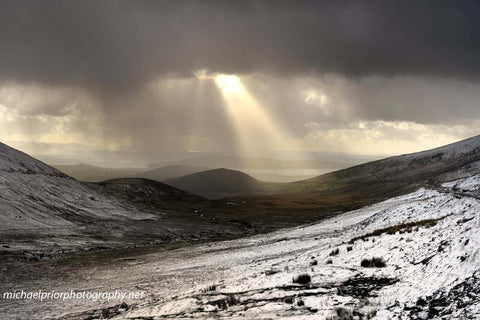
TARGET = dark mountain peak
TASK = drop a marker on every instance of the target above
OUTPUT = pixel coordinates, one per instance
(217, 183)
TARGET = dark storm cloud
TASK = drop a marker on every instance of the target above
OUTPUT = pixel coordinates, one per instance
(120, 45)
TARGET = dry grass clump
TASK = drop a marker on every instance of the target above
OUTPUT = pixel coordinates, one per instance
(373, 263)
(302, 279)
(335, 252)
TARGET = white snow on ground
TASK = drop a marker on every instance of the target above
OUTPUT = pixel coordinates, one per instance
(35, 197)
(435, 250)
(432, 256)
(449, 151)
(471, 185)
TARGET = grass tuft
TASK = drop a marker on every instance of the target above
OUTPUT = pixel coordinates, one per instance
(302, 279)
(373, 263)
(404, 227)
(335, 252)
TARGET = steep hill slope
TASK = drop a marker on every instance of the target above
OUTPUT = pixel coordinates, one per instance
(435, 165)
(35, 196)
(150, 194)
(42, 208)
(218, 183)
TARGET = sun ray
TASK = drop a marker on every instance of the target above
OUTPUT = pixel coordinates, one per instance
(257, 132)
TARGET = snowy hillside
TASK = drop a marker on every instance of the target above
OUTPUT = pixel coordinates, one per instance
(37, 196)
(47, 212)
(428, 240)
(411, 257)
(37, 200)
(454, 161)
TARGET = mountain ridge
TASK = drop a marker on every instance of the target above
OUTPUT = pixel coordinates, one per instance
(433, 164)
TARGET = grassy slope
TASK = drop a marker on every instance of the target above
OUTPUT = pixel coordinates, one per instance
(151, 195)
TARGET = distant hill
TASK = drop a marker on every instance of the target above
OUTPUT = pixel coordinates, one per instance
(150, 194)
(170, 172)
(89, 173)
(231, 162)
(218, 183)
(427, 166)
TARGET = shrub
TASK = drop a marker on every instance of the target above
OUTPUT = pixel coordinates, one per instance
(223, 304)
(212, 287)
(334, 252)
(407, 227)
(373, 263)
(366, 263)
(105, 313)
(314, 263)
(288, 300)
(302, 279)
(349, 248)
(232, 300)
(329, 261)
(343, 313)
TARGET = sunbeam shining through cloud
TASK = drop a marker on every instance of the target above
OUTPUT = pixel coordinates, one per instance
(256, 130)
(229, 83)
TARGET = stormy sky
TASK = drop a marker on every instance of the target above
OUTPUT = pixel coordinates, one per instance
(362, 77)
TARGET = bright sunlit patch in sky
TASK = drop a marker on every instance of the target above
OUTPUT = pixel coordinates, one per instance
(256, 130)
(228, 83)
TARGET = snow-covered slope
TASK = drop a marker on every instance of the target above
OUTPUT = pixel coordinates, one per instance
(37, 196)
(45, 212)
(429, 241)
(38, 201)
(454, 161)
